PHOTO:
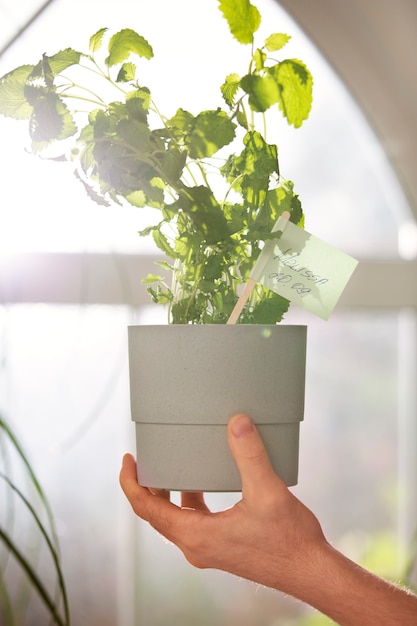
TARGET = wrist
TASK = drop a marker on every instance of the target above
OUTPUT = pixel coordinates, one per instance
(352, 596)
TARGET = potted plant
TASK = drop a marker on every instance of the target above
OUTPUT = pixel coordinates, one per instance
(215, 184)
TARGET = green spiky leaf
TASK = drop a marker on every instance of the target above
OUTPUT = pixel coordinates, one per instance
(127, 42)
(13, 101)
(263, 91)
(126, 73)
(295, 90)
(211, 131)
(96, 40)
(243, 19)
(230, 88)
(276, 41)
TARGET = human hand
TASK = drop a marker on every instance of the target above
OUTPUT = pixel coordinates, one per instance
(269, 536)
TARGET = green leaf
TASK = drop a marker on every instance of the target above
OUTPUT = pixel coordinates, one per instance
(126, 73)
(127, 42)
(211, 131)
(159, 295)
(51, 539)
(50, 120)
(96, 40)
(297, 215)
(263, 91)
(182, 120)
(31, 573)
(295, 90)
(205, 212)
(63, 59)
(258, 159)
(163, 244)
(151, 278)
(213, 267)
(276, 41)
(13, 101)
(259, 58)
(230, 88)
(171, 165)
(242, 117)
(135, 134)
(270, 310)
(137, 198)
(50, 67)
(137, 104)
(243, 19)
(165, 265)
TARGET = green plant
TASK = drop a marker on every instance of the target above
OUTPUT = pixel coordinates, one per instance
(213, 176)
(36, 508)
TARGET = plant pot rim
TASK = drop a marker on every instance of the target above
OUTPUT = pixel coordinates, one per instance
(205, 374)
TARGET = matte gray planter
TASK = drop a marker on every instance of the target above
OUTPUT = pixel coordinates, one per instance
(187, 381)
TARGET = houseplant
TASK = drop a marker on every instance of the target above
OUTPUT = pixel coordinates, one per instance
(212, 177)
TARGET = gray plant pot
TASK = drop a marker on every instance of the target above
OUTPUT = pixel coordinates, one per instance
(187, 381)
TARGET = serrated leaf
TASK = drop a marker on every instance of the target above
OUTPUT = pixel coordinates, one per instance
(171, 166)
(51, 119)
(13, 102)
(258, 160)
(276, 41)
(230, 88)
(126, 73)
(137, 104)
(50, 66)
(211, 131)
(242, 17)
(263, 91)
(270, 310)
(127, 42)
(63, 59)
(205, 212)
(295, 90)
(135, 134)
(163, 244)
(182, 120)
(96, 40)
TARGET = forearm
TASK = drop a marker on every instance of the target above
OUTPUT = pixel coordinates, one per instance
(352, 596)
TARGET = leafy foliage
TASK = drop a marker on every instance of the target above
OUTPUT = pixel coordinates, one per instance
(125, 150)
(39, 513)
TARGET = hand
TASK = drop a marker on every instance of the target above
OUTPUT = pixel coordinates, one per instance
(269, 536)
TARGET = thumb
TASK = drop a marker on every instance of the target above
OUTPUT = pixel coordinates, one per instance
(256, 472)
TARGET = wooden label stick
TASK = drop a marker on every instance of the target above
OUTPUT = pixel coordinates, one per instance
(256, 271)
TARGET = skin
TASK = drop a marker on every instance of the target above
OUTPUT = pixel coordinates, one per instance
(283, 542)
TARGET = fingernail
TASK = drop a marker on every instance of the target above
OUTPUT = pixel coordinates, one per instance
(242, 426)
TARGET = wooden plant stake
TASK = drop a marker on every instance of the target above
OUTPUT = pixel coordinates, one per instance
(256, 272)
